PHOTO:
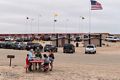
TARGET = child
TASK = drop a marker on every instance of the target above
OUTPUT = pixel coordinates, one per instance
(46, 62)
(51, 58)
(27, 62)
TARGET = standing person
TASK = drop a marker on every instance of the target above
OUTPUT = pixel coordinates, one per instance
(30, 58)
(27, 62)
(51, 58)
(46, 62)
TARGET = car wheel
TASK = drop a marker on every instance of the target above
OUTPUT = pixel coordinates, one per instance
(95, 52)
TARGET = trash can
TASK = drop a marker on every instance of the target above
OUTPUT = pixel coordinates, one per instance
(77, 44)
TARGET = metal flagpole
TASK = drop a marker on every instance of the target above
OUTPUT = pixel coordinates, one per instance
(67, 25)
(26, 31)
(31, 25)
(55, 20)
(90, 17)
(39, 22)
(89, 22)
(81, 17)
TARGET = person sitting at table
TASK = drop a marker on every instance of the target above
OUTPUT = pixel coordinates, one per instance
(38, 56)
(51, 58)
(37, 50)
(30, 58)
(46, 63)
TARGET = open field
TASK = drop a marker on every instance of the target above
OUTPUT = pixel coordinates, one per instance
(104, 65)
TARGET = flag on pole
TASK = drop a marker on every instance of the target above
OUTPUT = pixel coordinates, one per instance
(83, 17)
(95, 5)
(27, 17)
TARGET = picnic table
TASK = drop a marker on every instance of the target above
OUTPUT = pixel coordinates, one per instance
(38, 61)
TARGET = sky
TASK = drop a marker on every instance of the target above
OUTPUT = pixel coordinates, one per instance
(14, 13)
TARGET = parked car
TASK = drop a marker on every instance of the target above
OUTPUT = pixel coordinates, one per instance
(19, 45)
(90, 48)
(8, 45)
(112, 39)
(33, 46)
(78, 39)
(2, 44)
(68, 48)
(50, 47)
(24, 39)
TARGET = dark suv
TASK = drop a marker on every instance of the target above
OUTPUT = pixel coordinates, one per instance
(50, 47)
(68, 48)
(33, 46)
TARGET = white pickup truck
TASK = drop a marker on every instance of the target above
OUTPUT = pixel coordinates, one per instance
(90, 48)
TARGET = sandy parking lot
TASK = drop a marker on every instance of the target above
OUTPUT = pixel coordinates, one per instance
(105, 65)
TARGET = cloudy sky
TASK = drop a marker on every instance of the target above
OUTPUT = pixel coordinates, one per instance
(13, 15)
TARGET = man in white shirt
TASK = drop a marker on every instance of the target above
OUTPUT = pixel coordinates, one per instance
(30, 58)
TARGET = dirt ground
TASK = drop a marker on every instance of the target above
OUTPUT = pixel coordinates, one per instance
(104, 65)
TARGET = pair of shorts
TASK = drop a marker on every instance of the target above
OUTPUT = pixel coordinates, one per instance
(51, 59)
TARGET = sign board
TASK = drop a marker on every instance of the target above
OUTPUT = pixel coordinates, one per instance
(10, 56)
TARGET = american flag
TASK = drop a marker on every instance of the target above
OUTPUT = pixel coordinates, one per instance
(95, 5)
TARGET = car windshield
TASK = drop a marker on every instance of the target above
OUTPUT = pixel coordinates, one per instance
(30, 43)
(68, 46)
(90, 46)
(48, 45)
(36, 43)
(16, 43)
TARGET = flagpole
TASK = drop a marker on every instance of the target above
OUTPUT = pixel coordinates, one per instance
(54, 25)
(27, 25)
(39, 22)
(90, 17)
(81, 19)
(89, 22)
(66, 25)
(55, 20)
(26, 20)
